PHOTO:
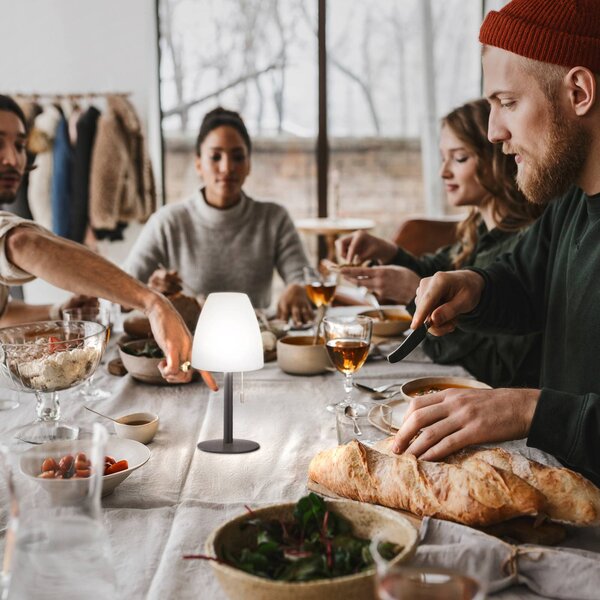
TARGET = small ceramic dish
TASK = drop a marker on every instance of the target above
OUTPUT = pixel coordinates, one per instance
(429, 385)
(141, 427)
(397, 321)
(299, 355)
(367, 522)
(133, 452)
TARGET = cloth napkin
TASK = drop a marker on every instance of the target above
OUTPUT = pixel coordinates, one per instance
(553, 572)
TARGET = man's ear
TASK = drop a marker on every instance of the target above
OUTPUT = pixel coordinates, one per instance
(582, 86)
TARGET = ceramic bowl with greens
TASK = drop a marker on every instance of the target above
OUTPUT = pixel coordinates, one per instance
(141, 358)
(314, 549)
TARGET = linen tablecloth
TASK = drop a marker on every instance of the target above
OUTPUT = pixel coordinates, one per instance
(168, 507)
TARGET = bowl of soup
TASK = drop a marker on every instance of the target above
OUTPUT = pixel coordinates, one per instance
(397, 320)
(299, 355)
(431, 385)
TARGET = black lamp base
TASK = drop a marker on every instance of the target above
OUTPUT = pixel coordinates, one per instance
(233, 447)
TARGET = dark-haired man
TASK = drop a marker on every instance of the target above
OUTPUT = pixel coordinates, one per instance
(541, 63)
(28, 251)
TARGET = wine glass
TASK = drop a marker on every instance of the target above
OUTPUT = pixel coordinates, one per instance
(320, 288)
(96, 314)
(347, 341)
(45, 358)
(396, 581)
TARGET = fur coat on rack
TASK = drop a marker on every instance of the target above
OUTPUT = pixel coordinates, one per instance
(121, 181)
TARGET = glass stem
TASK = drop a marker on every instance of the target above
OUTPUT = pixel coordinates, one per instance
(47, 406)
(348, 388)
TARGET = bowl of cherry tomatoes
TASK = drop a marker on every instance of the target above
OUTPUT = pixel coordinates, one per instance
(66, 468)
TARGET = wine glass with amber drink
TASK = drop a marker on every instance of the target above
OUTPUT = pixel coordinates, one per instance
(347, 341)
(320, 288)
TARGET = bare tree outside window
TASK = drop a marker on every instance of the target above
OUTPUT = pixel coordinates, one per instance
(260, 57)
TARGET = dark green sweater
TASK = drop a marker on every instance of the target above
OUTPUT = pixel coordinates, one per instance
(552, 281)
(500, 360)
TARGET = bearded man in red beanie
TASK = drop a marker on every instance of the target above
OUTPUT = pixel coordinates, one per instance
(541, 65)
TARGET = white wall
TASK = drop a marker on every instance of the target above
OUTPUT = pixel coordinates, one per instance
(78, 46)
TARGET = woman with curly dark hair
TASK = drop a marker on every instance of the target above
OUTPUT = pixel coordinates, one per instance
(478, 175)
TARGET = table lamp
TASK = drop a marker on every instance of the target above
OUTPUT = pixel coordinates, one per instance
(227, 339)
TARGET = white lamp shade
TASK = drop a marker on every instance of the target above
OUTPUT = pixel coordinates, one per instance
(227, 337)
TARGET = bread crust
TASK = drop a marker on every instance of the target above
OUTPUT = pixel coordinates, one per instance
(481, 496)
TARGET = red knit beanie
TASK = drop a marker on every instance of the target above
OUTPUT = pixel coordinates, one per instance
(561, 32)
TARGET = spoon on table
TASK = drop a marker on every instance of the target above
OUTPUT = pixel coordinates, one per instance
(101, 415)
(352, 414)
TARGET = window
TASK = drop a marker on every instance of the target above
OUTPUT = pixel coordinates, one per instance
(387, 61)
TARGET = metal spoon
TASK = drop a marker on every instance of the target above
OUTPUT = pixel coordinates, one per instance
(101, 415)
(351, 414)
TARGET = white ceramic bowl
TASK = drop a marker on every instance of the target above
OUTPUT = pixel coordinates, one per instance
(133, 452)
(367, 521)
(143, 433)
(298, 355)
(411, 388)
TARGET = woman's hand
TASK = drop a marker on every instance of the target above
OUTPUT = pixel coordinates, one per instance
(79, 301)
(294, 303)
(391, 283)
(360, 246)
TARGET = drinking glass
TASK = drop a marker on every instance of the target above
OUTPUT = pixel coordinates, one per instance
(320, 288)
(347, 341)
(320, 285)
(99, 314)
(402, 582)
(369, 428)
(45, 358)
(55, 545)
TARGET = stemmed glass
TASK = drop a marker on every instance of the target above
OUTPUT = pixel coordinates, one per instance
(320, 288)
(97, 314)
(395, 581)
(45, 358)
(347, 341)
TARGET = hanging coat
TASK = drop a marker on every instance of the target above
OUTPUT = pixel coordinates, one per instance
(121, 180)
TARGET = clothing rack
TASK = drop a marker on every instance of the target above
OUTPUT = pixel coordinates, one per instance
(66, 96)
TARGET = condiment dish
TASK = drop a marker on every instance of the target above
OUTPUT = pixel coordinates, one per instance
(141, 427)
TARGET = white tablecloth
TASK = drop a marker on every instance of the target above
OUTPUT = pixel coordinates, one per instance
(168, 507)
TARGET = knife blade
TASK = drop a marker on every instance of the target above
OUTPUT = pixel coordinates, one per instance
(409, 344)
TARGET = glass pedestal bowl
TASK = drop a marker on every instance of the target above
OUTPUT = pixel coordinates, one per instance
(46, 358)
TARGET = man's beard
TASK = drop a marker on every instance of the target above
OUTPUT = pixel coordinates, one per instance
(7, 197)
(550, 176)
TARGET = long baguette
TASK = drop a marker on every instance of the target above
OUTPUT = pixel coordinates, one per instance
(425, 488)
(570, 497)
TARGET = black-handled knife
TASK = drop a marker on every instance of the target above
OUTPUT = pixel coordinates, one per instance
(409, 344)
